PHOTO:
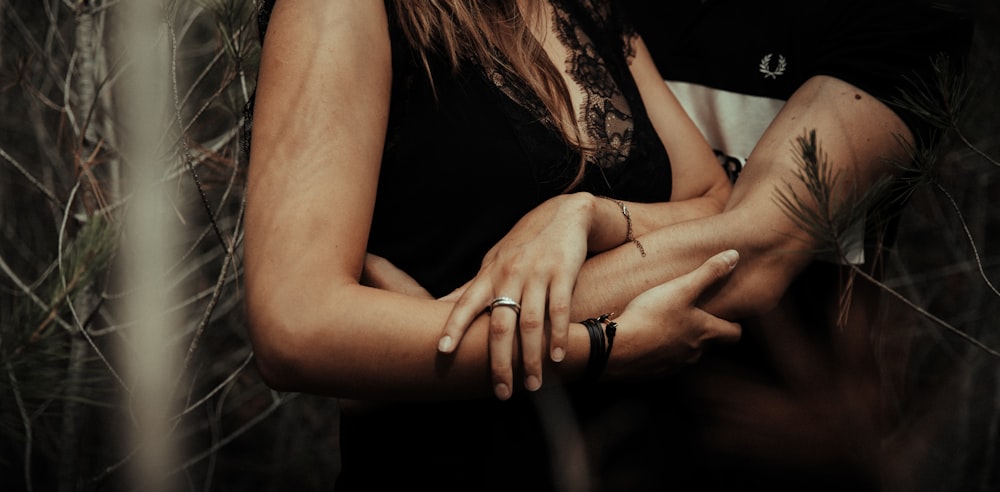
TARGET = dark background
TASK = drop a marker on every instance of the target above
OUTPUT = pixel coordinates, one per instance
(62, 413)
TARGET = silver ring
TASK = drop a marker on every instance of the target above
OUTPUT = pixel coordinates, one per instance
(504, 301)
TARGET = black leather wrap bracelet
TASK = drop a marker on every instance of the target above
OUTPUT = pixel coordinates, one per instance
(602, 338)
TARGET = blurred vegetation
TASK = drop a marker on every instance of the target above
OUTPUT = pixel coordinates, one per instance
(65, 408)
(64, 405)
(947, 261)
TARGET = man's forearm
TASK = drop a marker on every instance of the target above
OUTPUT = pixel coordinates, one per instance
(769, 259)
(859, 137)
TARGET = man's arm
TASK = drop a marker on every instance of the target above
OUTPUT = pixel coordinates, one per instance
(859, 134)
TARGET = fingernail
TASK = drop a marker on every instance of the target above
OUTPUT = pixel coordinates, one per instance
(532, 383)
(558, 354)
(502, 391)
(444, 345)
(731, 257)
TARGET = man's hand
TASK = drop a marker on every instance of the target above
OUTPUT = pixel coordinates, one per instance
(380, 273)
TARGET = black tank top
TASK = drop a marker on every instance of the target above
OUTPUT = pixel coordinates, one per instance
(467, 155)
(465, 158)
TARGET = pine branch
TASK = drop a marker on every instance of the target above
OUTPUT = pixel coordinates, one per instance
(823, 217)
(942, 101)
(79, 324)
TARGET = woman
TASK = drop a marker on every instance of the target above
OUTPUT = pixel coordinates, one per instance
(422, 132)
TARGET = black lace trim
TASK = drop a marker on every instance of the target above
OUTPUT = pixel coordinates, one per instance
(605, 113)
(613, 20)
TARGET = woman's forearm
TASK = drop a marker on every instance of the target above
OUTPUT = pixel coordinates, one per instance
(615, 222)
(360, 342)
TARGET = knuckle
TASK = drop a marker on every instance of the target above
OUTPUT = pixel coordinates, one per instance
(465, 300)
(533, 365)
(488, 258)
(558, 308)
(530, 322)
(718, 268)
(510, 269)
(498, 329)
(554, 261)
(502, 372)
(558, 336)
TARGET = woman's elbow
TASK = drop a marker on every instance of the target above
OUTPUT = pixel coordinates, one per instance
(719, 194)
(273, 342)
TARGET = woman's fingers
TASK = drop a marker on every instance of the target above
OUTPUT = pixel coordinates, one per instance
(531, 326)
(560, 296)
(544, 300)
(456, 294)
(503, 327)
(470, 304)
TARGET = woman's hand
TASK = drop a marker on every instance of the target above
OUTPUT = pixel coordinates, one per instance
(535, 265)
(663, 329)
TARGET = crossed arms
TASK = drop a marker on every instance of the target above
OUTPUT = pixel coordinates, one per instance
(308, 330)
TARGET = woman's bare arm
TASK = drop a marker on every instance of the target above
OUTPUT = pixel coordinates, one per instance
(320, 121)
(321, 113)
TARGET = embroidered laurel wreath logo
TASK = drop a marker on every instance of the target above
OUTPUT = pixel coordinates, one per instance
(765, 66)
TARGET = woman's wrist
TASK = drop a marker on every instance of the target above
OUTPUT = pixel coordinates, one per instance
(601, 331)
(605, 227)
(594, 218)
(617, 360)
(612, 225)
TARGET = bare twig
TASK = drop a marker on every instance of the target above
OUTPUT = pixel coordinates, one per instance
(31, 294)
(232, 376)
(973, 147)
(219, 142)
(276, 403)
(27, 36)
(31, 179)
(22, 410)
(968, 234)
(944, 271)
(927, 314)
(220, 283)
(207, 314)
(185, 148)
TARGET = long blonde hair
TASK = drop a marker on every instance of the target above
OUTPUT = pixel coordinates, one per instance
(497, 35)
